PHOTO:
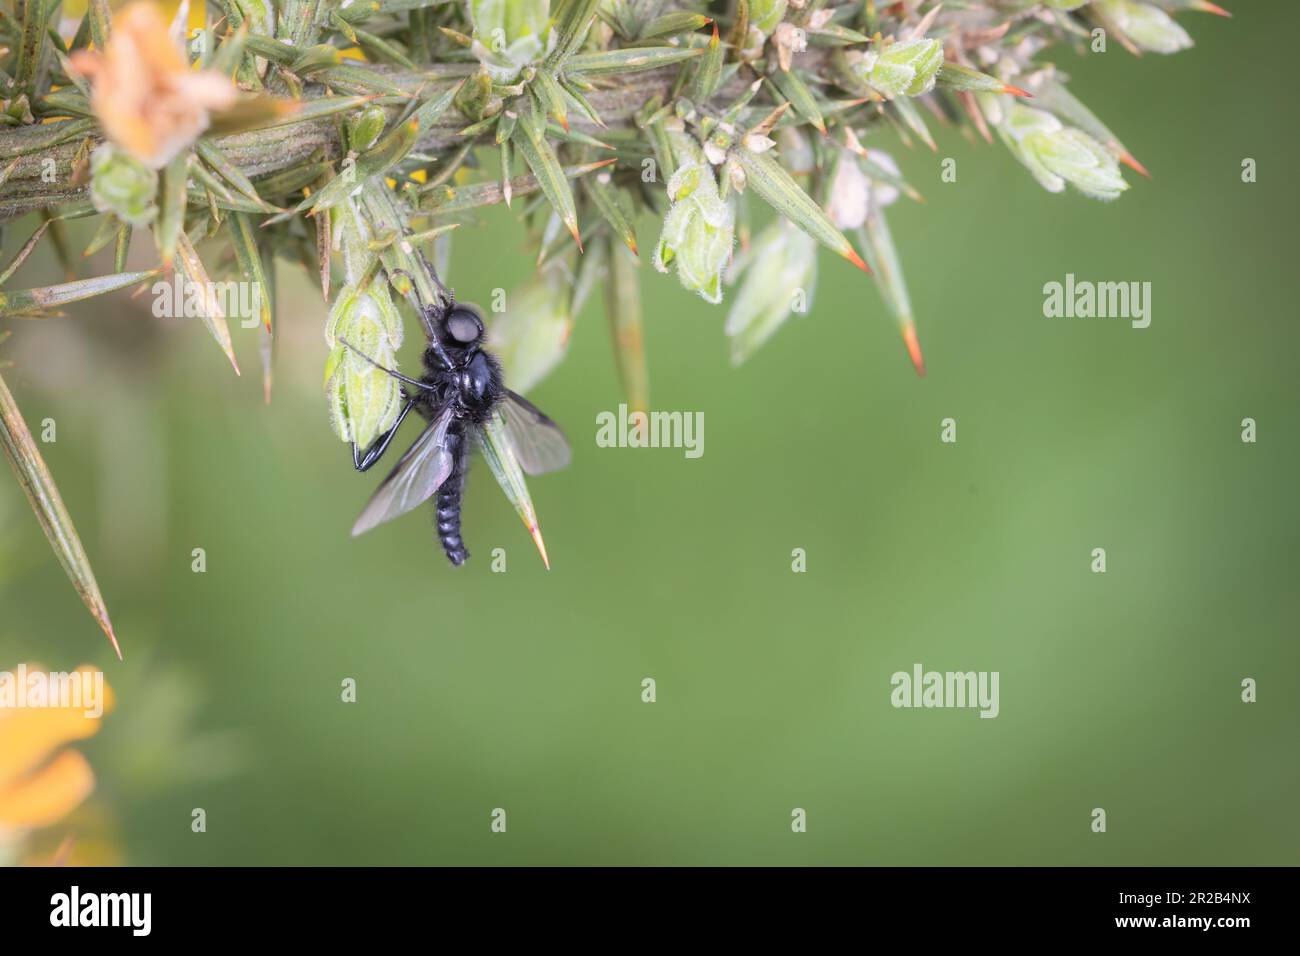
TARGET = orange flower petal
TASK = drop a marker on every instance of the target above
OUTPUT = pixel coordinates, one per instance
(146, 97)
(207, 88)
(49, 794)
(29, 735)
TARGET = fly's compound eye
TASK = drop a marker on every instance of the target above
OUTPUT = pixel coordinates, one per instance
(464, 326)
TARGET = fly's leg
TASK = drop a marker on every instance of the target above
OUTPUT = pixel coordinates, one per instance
(397, 375)
(362, 461)
(433, 274)
(431, 313)
(436, 344)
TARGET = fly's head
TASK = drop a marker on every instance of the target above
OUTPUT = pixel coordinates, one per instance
(462, 328)
(456, 335)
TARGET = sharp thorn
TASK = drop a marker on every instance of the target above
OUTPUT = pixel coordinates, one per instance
(914, 348)
(853, 257)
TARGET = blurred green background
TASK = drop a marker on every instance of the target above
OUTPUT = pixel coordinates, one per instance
(522, 690)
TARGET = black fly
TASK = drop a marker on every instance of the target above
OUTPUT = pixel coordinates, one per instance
(460, 392)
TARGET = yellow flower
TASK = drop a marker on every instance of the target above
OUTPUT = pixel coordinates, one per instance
(145, 96)
(42, 781)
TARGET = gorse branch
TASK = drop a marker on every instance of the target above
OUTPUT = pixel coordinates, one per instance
(349, 136)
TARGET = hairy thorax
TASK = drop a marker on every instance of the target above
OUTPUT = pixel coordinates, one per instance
(473, 386)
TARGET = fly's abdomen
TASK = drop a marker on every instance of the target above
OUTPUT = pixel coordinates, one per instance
(447, 501)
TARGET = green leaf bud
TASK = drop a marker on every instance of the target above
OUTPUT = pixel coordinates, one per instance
(907, 68)
(123, 185)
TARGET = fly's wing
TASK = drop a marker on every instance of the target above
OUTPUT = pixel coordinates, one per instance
(424, 467)
(538, 443)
